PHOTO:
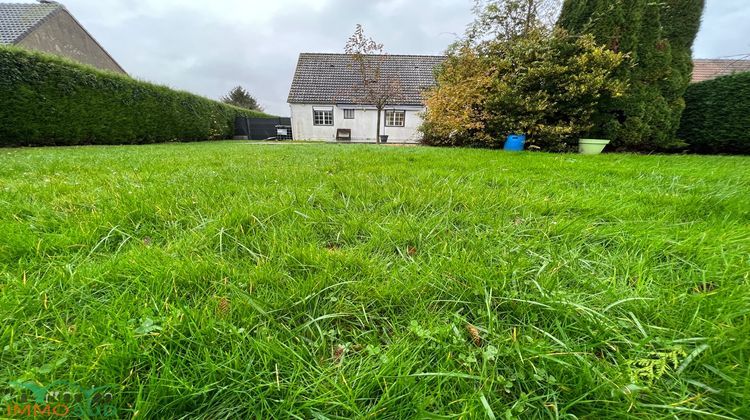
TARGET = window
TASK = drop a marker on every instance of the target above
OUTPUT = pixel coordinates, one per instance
(348, 114)
(395, 118)
(322, 117)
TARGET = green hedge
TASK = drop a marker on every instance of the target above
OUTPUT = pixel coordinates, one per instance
(47, 100)
(717, 117)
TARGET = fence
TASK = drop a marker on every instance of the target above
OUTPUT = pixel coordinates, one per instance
(262, 128)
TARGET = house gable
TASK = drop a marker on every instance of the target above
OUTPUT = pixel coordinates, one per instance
(49, 27)
(18, 19)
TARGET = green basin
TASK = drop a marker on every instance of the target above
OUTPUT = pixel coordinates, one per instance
(591, 146)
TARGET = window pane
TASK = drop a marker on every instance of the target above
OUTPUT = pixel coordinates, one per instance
(349, 114)
(395, 118)
(322, 117)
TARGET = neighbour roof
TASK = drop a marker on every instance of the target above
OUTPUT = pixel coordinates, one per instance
(333, 78)
(711, 69)
(18, 19)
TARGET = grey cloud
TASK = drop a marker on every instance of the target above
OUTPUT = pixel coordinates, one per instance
(207, 47)
(725, 30)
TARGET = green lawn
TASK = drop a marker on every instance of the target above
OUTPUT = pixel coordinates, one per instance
(220, 280)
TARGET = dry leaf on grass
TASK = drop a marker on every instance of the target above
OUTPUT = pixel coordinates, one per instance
(338, 353)
(223, 307)
(474, 333)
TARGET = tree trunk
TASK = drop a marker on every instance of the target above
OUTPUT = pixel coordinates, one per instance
(377, 132)
(529, 16)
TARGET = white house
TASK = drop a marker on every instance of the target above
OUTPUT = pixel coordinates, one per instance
(327, 104)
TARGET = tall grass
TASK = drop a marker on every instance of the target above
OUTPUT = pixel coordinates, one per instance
(224, 280)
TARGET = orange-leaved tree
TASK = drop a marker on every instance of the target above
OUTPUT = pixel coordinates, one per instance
(456, 107)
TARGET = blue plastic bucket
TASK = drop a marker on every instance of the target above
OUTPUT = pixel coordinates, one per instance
(515, 142)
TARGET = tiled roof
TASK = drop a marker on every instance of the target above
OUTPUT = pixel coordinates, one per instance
(18, 19)
(334, 78)
(711, 69)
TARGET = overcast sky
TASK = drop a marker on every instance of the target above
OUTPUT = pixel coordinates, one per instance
(209, 46)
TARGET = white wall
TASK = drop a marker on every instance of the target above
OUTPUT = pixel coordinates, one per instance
(363, 125)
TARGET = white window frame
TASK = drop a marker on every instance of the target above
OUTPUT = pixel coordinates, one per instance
(348, 113)
(322, 116)
(392, 121)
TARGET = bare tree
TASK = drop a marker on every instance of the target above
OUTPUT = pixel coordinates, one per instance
(509, 19)
(374, 87)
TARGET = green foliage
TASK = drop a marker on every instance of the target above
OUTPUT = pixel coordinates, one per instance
(650, 123)
(239, 97)
(652, 367)
(48, 100)
(221, 281)
(716, 119)
(615, 24)
(546, 86)
(681, 21)
(658, 38)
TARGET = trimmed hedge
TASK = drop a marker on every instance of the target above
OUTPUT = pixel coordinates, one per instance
(47, 100)
(717, 117)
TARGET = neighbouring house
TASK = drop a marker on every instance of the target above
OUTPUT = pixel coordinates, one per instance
(326, 102)
(47, 26)
(710, 69)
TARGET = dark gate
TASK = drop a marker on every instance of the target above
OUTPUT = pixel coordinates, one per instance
(262, 128)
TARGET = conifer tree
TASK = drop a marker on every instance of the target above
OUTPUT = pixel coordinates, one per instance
(648, 115)
(681, 20)
(238, 96)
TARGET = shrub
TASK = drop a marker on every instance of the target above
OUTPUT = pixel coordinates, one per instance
(716, 119)
(456, 108)
(48, 100)
(545, 86)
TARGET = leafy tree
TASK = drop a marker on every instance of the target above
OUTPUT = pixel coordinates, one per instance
(373, 88)
(241, 98)
(657, 46)
(547, 86)
(457, 107)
